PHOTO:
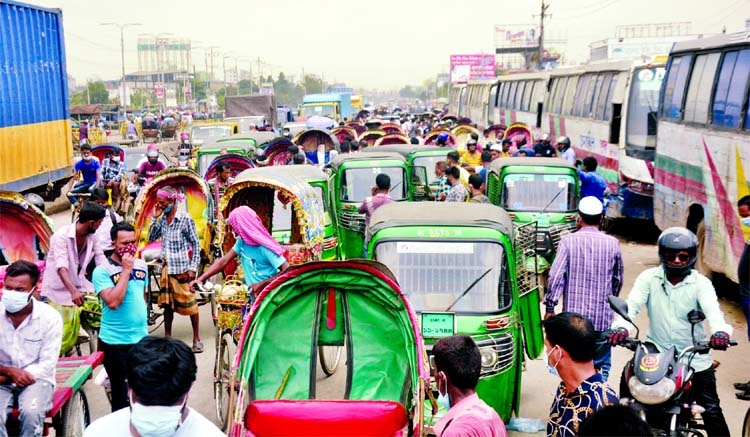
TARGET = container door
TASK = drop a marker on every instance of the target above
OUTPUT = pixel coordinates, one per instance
(419, 184)
(528, 288)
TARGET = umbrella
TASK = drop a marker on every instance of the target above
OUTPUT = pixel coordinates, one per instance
(319, 122)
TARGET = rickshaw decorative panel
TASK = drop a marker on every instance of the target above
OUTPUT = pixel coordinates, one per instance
(26, 230)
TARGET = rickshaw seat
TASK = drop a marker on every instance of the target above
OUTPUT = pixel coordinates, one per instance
(276, 418)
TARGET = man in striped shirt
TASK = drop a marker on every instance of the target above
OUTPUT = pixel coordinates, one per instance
(588, 269)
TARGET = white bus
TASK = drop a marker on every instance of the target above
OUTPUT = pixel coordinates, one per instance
(608, 110)
(703, 158)
(457, 99)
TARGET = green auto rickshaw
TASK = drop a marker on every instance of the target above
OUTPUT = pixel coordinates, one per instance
(418, 156)
(206, 155)
(541, 190)
(464, 273)
(353, 177)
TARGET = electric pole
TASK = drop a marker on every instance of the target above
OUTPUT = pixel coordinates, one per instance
(541, 33)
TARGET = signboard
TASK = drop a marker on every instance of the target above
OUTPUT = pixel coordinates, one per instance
(158, 91)
(516, 36)
(438, 325)
(471, 67)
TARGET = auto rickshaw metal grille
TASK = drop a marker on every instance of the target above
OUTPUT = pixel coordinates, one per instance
(525, 240)
(504, 346)
(558, 230)
(353, 221)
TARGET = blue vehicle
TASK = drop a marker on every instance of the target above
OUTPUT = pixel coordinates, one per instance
(332, 105)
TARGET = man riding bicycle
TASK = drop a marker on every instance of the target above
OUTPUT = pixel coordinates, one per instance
(112, 170)
(88, 174)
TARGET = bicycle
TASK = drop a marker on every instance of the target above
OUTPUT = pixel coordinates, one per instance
(154, 318)
(75, 208)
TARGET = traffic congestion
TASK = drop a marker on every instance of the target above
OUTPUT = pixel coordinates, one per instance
(547, 248)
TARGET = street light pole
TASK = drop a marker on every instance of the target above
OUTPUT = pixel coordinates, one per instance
(123, 91)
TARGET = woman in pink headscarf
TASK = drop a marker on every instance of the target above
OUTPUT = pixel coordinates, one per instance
(261, 256)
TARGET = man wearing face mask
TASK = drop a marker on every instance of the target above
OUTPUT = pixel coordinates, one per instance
(71, 249)
(120, 284)
(88, 174)
(179, 238)
(30, 335)
(112, 171)
(457, 364)
(569, 344)
(160, 372)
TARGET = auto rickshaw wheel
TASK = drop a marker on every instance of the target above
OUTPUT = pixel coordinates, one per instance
(223, 378)
(329, 357)
(75, 415)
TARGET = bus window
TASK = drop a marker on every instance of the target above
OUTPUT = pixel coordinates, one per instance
(605, 97)
(610, 94)
(675, 89)
(730, 89)
(526, 104)
(551, 94)
(520, 95)
(492, 101)
(559, 95)
(512, 95)
(595, 94)
(580, 97)
(699, 89)
(570, 92)
(640, 129)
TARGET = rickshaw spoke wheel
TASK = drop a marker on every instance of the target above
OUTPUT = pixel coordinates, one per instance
(223, 378)
(75, 415)
(329, 357)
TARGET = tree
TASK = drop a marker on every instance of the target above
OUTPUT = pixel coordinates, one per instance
(140, 99)
(312, 84)
(198, 88)
(98, 92)
(246, 87)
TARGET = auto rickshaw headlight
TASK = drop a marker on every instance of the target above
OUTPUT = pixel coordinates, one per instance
(489, 356)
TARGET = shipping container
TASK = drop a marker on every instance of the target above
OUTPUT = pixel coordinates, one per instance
(36, 149)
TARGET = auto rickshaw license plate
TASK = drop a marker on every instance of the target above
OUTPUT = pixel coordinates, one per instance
(438, 325)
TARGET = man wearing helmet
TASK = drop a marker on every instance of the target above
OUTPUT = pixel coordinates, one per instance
(567, 152)
(152, 165)
(669, 292)
(544, 148)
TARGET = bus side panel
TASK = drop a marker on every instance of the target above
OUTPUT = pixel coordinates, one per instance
(35, 137)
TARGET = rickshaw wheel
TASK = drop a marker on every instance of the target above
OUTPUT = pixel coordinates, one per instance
(75, 416)
(223, 378)
(329, 357)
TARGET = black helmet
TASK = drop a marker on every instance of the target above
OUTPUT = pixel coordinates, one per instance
(677, 239)
(35, 200)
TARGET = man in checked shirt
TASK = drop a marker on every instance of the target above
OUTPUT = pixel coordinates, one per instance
(588, 269)
(181, 251)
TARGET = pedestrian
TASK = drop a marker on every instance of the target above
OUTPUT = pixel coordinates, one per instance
(380, 196)
(496, 151)
(83, 133)
(218, 186)
(453, 160)
(544, 147)
(179, 237)
(121, 284)
(131, 132)
(457, 365)
(475, 188)
(261, 255)
(71, 249)
(470, 158)
(669, 292)
(101, 197)
(457, 192)
(743, 267)
(587, 269)
(160, 373)
(87, 175)
(30, 337)
(592, 183)
(567, 152)
(345, 147)
(443, 187)
(291, 151)
(569, 343)
(486, 161)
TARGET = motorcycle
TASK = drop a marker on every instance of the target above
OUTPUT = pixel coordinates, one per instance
(660, 384)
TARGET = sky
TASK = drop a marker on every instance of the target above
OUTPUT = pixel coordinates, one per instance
(383, 44)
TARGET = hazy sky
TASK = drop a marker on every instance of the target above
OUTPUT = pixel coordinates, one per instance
(371, 44)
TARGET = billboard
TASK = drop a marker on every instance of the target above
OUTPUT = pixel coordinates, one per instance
(516, 36)
(470, 67)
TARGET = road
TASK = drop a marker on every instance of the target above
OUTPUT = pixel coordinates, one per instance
(538, 385)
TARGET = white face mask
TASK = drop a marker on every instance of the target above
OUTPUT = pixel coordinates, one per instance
(443, 399)
(87, 158)
(116, 158)
(745, 221)
(156, 421)
(551, 369)
(15, 301)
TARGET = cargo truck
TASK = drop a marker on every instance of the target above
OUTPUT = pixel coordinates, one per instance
(36, 142)
(332, 105)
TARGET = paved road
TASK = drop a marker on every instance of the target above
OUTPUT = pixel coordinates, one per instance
(538, 385)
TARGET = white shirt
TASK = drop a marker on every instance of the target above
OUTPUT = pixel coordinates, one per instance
(35, 344)
(117, 424)
(102, 233)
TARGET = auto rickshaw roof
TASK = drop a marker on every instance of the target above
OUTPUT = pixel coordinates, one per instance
(440, 214)
(302, 171)
(500, 163)
(359, 157)
(406, 150)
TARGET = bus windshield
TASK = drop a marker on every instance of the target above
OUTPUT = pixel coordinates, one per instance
(539, 192)
(643, 105)
(435, 274)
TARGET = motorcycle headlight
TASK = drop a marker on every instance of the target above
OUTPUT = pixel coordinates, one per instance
(489, 356)
(651, 394)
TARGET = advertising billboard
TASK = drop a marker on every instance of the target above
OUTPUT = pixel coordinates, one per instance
(470, 67)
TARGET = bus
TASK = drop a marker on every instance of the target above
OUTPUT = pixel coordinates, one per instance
(703, 158)
(457, 99)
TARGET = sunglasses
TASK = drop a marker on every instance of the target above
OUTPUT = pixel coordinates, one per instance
(679, 256)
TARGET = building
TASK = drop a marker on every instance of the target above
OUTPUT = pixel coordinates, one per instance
(640, 42)
(157, 53)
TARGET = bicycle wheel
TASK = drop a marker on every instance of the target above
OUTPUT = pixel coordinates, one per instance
(329, 357)
(223, 378)
(75, 415)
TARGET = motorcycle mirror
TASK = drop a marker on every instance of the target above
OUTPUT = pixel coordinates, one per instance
(696, 316)
(619, 306)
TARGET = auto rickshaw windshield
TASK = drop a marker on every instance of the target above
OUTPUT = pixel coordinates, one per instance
(539, 192)
(435, 274)
(428, 162)
(210, 132)
(357, 183)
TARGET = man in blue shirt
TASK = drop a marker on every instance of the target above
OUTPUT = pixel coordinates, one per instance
(120, 284)
(592, 183)
(88, 170)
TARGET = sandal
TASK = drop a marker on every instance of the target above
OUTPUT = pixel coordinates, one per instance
(198, 347)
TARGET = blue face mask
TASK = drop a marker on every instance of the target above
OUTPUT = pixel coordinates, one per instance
(169, 208)
(15, 301)
(745, 221)
(551, 369)
(156, 421)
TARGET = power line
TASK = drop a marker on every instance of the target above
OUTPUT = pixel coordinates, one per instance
(592, 11)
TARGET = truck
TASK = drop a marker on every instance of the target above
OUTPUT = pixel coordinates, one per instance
(36, 141)
(332, 105)
(252, 108)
